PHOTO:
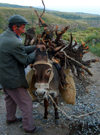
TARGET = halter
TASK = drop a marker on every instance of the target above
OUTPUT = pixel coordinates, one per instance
(43, 62)
(37, 85)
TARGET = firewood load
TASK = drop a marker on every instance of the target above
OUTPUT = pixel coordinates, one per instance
(67, 54)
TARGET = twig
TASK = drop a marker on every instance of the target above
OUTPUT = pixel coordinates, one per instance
(80, 64)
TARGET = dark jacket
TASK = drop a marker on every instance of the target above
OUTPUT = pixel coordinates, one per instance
(13, 58)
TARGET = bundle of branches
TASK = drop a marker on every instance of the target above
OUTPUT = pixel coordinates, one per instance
(68, 54)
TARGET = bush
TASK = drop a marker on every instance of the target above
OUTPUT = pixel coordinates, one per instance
(95, 49)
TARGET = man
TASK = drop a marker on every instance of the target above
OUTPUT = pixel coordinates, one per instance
(14, 56)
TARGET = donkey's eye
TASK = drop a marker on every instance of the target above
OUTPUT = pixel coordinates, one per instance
(48, 71)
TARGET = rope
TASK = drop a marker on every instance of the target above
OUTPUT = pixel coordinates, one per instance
(72, 116)
(69, 117)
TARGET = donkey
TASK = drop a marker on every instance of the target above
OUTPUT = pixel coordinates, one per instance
(45, 81)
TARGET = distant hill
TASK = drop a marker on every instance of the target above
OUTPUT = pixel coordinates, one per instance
(12, 5)
(92, 19)
(77, 21)
(28, 13)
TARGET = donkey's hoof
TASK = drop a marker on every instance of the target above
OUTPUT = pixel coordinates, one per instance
(57, 117)
(45, 118)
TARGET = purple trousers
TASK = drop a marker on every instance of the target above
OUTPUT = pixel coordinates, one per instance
(21, 98)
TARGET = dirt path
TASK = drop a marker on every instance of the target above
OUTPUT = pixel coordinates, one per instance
(88, 101)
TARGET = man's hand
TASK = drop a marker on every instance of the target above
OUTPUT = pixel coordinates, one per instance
(41, 47)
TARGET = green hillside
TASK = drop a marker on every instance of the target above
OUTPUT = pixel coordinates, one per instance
(77, 21)
(84, 27)
(28, 13)
(92, 19)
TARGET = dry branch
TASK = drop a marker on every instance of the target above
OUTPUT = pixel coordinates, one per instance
(69, 53)
(43, 9)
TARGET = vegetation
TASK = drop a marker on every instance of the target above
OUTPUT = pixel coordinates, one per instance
(91, 37)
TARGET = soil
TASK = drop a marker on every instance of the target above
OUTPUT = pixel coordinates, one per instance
(87, 104)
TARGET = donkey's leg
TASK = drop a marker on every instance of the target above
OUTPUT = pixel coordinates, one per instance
(55, 108)
(46, 104)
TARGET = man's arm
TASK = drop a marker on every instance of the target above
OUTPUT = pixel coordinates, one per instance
(29, 49)
(20, 54)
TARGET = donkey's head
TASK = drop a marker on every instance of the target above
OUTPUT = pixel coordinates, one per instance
(43, 73)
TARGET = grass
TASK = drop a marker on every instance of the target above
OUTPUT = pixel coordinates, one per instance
(95, 49)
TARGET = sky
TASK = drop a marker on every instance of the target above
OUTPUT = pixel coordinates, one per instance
(85, 6)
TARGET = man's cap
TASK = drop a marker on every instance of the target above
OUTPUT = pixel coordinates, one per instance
(17, 19)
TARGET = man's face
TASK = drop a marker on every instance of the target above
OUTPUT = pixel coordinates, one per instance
(19, 30)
